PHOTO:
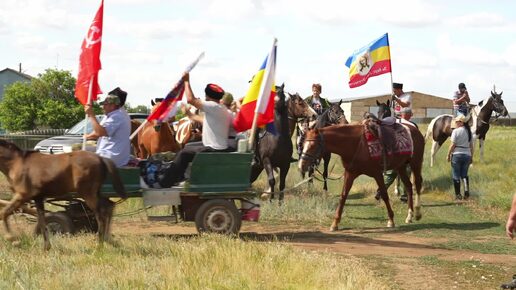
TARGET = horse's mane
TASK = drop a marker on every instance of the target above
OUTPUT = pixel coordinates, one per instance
(9, 145)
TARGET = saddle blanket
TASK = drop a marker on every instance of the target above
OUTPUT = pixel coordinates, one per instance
(394, 138)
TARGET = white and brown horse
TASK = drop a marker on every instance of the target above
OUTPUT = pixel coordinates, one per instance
(440, 127)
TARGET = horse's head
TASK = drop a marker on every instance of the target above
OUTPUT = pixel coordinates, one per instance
(155, 105)
(279, 104)
(384, 109)
(336, 114)
(298, 108)
(8, 151)
(497, 103)
(313, 148)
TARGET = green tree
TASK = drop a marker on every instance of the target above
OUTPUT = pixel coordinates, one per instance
(137, 109)
(48, 101)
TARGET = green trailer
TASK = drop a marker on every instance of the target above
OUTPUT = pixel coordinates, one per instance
(217, 196)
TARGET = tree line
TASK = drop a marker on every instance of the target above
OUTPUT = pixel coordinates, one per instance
(47, 101)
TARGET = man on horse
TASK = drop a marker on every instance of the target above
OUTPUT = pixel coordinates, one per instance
(113, 131)
(461, 101)
(403, 102)
(318, 103)
(216, 123)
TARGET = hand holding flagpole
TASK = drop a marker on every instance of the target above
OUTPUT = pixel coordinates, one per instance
(170, 95)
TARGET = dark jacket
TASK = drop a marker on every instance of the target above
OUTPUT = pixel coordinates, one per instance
(324, 103)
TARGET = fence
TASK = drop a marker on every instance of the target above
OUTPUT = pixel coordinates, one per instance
(27, 140)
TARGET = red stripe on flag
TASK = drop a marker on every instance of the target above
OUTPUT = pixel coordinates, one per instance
(380, 67)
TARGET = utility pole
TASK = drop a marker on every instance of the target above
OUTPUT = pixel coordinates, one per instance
(19, 67)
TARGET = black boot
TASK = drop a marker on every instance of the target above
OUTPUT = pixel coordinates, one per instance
(456, 186)
(466, 187)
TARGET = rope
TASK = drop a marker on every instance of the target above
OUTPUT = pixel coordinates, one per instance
(289, 189)
(132, 212)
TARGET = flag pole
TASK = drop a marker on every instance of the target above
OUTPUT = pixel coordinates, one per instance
(188, 69)
(90, 92)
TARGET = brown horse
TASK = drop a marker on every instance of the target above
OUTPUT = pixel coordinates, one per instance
(350, 143)
(36, 176)
(156, 137)
(135, 124)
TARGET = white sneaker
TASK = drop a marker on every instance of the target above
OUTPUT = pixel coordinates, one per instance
(143, 184)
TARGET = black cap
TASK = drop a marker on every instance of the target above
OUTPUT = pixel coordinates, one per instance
(462, 86)
(397, 86)
(122, 95)
(214, 91)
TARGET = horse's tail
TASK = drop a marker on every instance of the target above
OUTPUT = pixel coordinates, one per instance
(430, 129)
(115, 177)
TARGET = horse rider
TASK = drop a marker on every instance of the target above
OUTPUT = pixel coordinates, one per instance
(318, 103)
(402, 102)
(461, 101)
(216, 123)
(402, 109)
(113, 131)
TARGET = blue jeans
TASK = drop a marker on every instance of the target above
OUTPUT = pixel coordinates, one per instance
(460, 165)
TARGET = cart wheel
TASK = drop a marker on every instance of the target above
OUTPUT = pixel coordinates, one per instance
(218, 216)
(59, 223)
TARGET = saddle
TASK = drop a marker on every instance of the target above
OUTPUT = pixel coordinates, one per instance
(386, 137)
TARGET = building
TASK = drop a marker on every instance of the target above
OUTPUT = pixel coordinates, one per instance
(9, 76)
(424, 106)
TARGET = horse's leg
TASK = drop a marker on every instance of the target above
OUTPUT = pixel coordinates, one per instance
(402, 173)
(348, 182)
(270, 176)
(282, 179)
(481, 149)
(418, 181)
(326, 158)
(385, 197)
(92, 200)
(42, 223)
(105, 209)
(16, 201)
(435, 148)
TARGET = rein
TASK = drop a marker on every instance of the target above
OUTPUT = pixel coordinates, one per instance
(320, 149)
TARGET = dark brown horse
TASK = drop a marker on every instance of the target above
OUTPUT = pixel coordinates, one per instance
(298, 112)
(440, 127)
(350, 143)
(334, 115)
(156, 137)
(36, 176)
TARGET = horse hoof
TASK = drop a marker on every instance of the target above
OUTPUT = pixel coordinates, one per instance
(419, 215)
(265, 196)
(390, 224)
(408, 220)
(333, 228)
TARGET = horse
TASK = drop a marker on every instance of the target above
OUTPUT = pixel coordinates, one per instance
(36, 176)
(349, 141)
(135, 124)
(188, 129)
(440, 127)
(274, 151)
(334, 115)
(156, 136)
(384, 109)
(298, 112)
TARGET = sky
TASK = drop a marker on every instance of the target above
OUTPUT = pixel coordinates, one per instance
(146, 44)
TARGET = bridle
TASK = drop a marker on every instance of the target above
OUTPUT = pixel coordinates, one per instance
(314, 158)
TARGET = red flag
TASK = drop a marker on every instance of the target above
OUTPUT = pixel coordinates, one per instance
(89, 61)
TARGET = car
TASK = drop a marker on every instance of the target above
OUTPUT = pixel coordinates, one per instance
(72, 139)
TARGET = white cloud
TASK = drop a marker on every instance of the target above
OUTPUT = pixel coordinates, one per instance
(478, 20)
(468, 54)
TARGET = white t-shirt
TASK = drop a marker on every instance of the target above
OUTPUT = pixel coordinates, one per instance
(215, 126)
(405, 97)
(459, 137)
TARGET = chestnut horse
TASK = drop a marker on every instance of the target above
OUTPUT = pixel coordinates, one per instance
(36, 176)
(349, 142)
(156, 136)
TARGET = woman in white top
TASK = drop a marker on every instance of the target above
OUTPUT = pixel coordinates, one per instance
(460, 154)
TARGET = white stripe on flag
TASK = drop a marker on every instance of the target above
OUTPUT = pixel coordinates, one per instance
(268, 81)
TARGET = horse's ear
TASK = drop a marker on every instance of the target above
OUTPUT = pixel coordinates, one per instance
(377, 103)
(340, 102)
(282, 86)
(389, 103)
(501, 94)
(152, 103)
(481, 103)
(493, 94)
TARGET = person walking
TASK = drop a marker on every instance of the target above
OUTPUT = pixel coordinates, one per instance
(460, 154)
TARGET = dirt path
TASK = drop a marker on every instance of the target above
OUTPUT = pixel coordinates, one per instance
(346, 241)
